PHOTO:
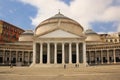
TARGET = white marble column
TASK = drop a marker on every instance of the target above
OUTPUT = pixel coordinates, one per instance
(34, 53)
(55, 53)
(90, 57)
(95, 57)
(22, 56)
(77, 53)
(101, 56)
(41, 53)
(16, 56)
(3, 56)
(28, 57)
(70, 53)
(108, 61)
(84, 53)
(48, 53)
(63, 53)
(10, 57)
(114, 55)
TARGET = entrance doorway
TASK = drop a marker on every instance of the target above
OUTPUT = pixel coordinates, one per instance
(59, 58)
(1, 59)
(73, 58)
(44, 59)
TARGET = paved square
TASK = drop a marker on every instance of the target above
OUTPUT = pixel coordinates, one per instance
(110, 72)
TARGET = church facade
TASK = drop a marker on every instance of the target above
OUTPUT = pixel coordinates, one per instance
(60, 40)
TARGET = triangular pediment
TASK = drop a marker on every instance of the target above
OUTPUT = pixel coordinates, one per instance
(59, 34)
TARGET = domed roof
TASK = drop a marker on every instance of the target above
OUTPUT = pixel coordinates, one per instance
(58, 21)
(92, 36)
(28, 32)
(26, 36)
(90, 31)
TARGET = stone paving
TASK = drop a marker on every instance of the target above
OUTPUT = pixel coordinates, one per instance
(109, 72)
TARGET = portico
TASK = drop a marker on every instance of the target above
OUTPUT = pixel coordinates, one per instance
(59, 53)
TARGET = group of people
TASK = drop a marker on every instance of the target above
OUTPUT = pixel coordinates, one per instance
(76, 65)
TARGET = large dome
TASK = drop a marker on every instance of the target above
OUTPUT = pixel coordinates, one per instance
(92, 36)
(59, 21)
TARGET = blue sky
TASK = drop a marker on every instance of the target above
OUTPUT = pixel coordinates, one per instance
(17, 13)
(27, 14)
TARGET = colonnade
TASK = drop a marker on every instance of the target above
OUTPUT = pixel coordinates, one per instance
(62, 53)
(103, 56)
(15, 56)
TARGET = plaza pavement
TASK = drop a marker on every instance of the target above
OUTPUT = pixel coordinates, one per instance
(108, 72)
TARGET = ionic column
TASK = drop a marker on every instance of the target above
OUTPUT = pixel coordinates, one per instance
(101, 56)
(48, 53)
(114, 55)
(77, 53)
(28, 57)
(55, 53)
(63, 56)
(23, 57)
(108, 61)
(16, 56)
(70, 54)
(10, 57)
(34, 53)
(3, 56)
(84, 53)
(90, 57)
(95, 57)
(41, 53)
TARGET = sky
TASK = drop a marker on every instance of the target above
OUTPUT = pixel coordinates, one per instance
(103, 16)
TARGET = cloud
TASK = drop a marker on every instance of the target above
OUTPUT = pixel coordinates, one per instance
(83, 11)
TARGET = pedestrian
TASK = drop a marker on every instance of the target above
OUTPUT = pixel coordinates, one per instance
(75, 65)
(11, 66)
(64, 66)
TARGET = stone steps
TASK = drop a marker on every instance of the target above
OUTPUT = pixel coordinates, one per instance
(57, 65)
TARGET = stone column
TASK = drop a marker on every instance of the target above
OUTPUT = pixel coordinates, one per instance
(70, 54)
(84, 53)
(90, 57)
(34, 53)
(55, 53)
(3, 56)
(28, 57)
(95, 57)
(48, 53)
(41, 53)
(10, 57)
(108, 61)
(63, 56)
(77, 53)
(16, 56)
(114, 55)
(101, 56)
(23, 57)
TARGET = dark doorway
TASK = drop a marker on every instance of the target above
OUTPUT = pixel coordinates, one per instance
(110, 58)
(73, 58)
(104, 59)
(117, 59)
(1, 59)
(44, 59)
(14, 60)
(59, 58)
(20, 59)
